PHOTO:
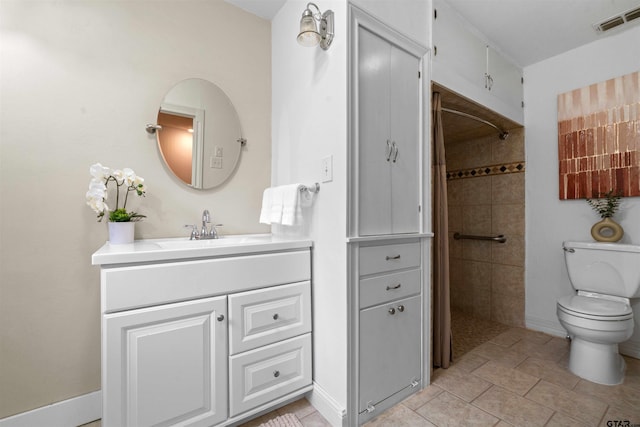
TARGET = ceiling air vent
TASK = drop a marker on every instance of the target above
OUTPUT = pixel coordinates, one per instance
(617, 20)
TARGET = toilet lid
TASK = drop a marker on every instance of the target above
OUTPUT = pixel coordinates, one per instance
(595, 307)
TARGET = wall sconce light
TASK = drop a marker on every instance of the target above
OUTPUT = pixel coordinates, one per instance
(309, 34)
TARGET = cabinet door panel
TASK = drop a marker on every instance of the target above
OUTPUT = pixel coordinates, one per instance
(166, 365)
(457, 48)
(373, 134)
(507, 79)
(390, 348)
(405, 134)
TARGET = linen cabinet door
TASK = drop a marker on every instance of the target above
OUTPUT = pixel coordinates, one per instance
(390, 348)
(166, 365)
(374, 144)
(405, 138)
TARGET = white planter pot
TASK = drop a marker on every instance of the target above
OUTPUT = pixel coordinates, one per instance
(121, 232)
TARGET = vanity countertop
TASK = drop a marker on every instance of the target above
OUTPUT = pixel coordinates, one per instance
(154, 250)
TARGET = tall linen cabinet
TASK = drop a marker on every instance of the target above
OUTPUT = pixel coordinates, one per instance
(389, 244)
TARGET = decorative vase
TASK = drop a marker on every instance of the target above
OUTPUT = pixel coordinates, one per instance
(121, 232)
(607, 230)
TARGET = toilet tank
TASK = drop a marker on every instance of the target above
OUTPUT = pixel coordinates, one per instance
(605, 268)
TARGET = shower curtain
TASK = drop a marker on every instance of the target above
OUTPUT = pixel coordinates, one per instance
(442, 345)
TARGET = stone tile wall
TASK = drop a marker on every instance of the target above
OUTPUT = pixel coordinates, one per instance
(486, 197)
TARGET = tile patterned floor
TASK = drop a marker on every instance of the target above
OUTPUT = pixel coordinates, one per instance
(516, 378)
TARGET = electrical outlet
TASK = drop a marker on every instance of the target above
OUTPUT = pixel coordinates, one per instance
(215, 162)
(326, 166)
(218, 151)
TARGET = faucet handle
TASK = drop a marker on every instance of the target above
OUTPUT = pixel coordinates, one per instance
(214, 232)
(194, 231)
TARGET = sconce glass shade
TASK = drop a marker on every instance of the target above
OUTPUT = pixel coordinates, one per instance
(309, 35)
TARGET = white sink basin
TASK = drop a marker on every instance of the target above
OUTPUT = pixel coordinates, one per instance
(185, 243)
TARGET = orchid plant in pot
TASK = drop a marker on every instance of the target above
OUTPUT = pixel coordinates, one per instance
(121, 221)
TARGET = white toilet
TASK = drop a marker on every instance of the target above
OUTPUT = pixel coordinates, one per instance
(599, 316)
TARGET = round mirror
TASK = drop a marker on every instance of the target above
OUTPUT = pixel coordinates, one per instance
(199, 135)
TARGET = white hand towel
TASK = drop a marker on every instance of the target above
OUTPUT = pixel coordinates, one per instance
(291, 210)
(265, 212)
(276, 205)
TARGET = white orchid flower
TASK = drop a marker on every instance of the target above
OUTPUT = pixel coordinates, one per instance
(98, 205)
(99, 172)
(129, 176)
(118, 175)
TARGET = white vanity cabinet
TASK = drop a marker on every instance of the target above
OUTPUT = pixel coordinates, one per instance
(463, 61)
(203, 341)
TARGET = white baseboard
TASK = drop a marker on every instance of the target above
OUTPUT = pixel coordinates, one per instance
(630, 348)
(544, 325)
(68, 413)
(331, 410)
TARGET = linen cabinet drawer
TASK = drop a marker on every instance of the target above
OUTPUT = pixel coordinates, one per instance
(264, 316)
(259, 376)
(382, 258)
(388, 287)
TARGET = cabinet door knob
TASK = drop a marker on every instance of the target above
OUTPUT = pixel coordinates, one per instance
(220, 318)
(392, 311)
(392, 287)
(401, 308)
(392, 257)
(276, 316)
(276, 374)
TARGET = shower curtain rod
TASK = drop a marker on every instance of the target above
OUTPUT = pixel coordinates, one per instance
(503, 134)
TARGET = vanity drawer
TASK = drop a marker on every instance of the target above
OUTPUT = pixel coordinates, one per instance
(383, 258)
(380, 289)
(264, 316)
(259, 376)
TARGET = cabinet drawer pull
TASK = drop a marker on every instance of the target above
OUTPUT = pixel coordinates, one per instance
(401, 308)
(276, 316)
(220, 318)
(276, 374)
(392, 311)
(392, 257)
(390, 287)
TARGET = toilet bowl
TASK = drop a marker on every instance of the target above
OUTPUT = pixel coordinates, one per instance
(599, 316)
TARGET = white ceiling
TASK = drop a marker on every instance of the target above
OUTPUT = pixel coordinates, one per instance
(527, 31)
(266, 9)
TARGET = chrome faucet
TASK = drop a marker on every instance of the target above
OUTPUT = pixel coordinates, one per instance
(206, 219)
(205, 232)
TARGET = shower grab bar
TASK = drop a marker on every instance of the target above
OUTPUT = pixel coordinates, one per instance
(499, 238)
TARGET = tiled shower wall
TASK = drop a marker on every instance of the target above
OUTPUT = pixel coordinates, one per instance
(486, 197)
